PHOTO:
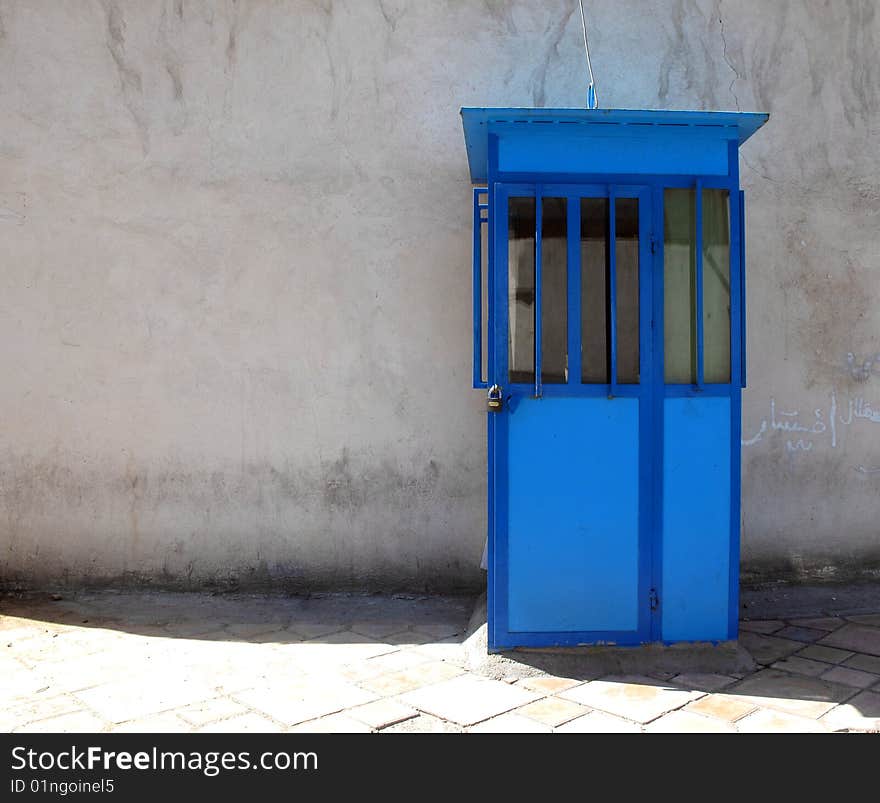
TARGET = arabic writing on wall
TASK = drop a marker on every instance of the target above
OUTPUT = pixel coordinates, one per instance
(805, 429)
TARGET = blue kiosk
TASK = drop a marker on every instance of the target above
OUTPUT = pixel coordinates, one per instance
(609, 334)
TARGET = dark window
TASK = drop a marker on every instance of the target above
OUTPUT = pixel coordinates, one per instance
(521, 288)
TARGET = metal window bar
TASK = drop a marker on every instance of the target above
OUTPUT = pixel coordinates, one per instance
(742, 286)
(612, 291)
(698, 291)
(539, 215)
(573, 258)
(479, 220)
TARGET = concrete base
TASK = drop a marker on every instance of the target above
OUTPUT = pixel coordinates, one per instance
(591, 662)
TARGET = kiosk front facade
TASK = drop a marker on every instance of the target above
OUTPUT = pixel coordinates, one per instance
(609, 304)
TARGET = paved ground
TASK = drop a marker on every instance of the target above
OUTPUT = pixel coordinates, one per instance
(190, 662)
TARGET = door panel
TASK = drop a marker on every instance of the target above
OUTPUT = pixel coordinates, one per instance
(696, 518)
(573, 501)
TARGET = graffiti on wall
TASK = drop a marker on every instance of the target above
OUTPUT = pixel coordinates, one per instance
(803, 429)
(861, 369)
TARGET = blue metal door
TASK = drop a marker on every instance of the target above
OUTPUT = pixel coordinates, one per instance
(571, 447)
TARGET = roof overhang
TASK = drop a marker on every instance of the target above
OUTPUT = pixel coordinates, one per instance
(479, 122)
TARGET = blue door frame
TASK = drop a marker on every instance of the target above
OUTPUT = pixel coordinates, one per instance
(639, 395)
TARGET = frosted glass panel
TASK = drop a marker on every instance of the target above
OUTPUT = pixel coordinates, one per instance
(716, 286)
(679, 286)
(626, 240)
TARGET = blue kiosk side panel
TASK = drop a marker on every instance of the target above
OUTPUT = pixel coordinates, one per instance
(696, 519)
(573, 515)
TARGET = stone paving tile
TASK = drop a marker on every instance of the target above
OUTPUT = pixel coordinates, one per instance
(356, 644)
(807, 634)
(795, 694)
(862, 712)
(310, 630)
(688, 722)
(872, 619)
(765, 626)
(283, 636)
(246, 723)
(553, 711)
(851, 677)
(701, 681)
(382, 713)
(19, 684)
(382, 665)
(855, 637)
(41, 707)
(599, 722)
(468, 699)
(721, 706)
(867, 663)
(191, 628)
(424, 723)
(823, 623)
(335, 723)
(406, 680)
(166, 722)
(76, 722)
(133, 698)
(344, 647)
(549, 684)
(768, 649)
(801, 666)
(304, 699)
(409, 638)
(437, 631)
(396, 661)
(57, 647)
(90, 670)
(765, 721)
(830, 655)
(9, 625)
(451, 650)
(210, 711)
(378, 630)
(14, 636)
(640, 699)
(510, 723)
(247, 630)
(664, 676)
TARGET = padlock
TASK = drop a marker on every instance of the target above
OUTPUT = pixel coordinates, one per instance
(495, 399)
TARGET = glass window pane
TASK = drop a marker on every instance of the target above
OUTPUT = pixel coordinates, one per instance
(626, 220)
(594, 267)
(521, 288)
(679, 286)
(716, 286)
(554, 291)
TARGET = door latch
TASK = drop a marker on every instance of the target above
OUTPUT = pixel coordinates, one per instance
(495, 399)
(653, 599)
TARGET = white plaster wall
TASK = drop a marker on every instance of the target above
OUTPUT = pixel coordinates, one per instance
(235, 290)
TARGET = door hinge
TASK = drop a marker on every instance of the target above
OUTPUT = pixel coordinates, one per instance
(653, 599)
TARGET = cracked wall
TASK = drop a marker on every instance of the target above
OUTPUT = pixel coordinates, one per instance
(235, 302)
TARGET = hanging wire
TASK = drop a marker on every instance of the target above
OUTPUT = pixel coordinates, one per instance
(592, 97)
